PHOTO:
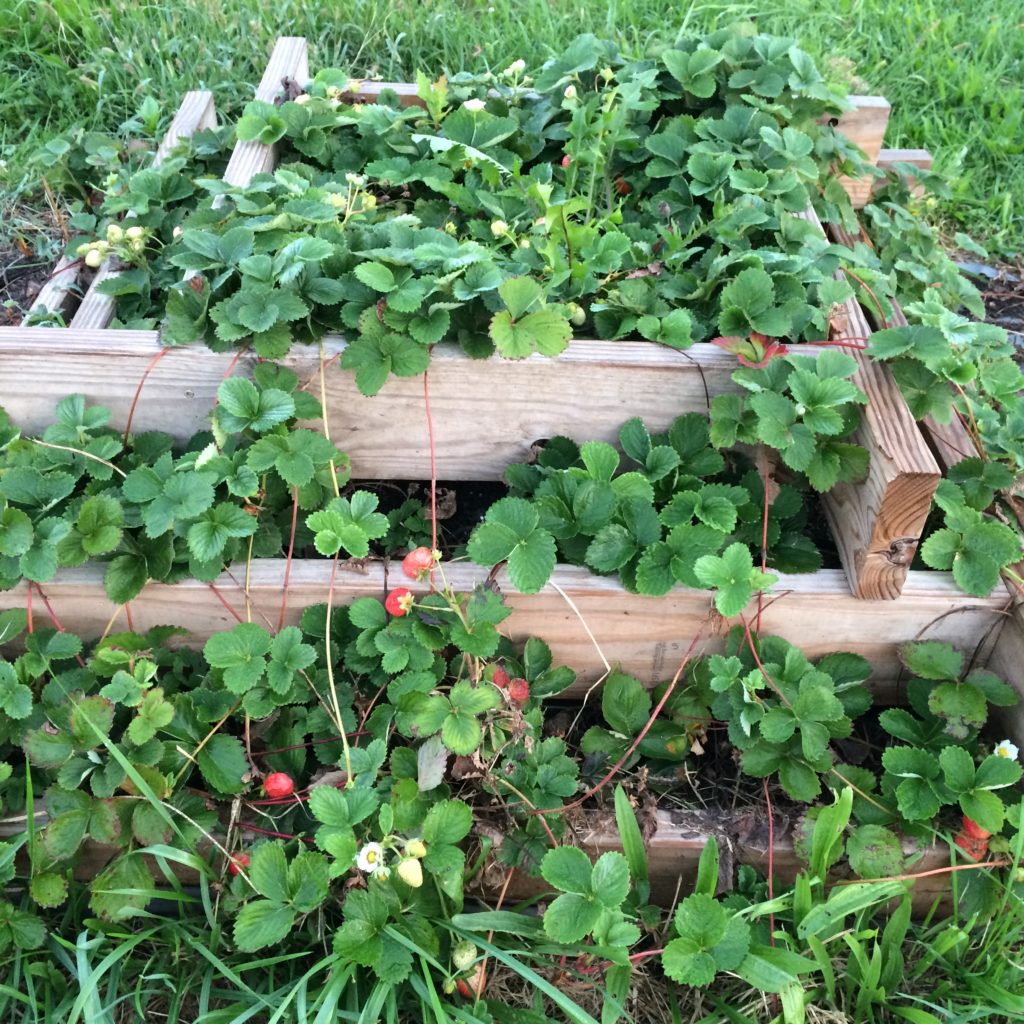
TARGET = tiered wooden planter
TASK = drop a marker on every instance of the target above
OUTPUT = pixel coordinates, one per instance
(487, 413)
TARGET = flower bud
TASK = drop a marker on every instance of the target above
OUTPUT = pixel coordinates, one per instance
(570, 92)
(357, 180)
(475, 106)
(135, 232)
(450, 228)
(517, 67)
(410, 871)
(303, 99)
(369, 202)
(499, 228)
(114, 233)
(177, 232)
(83, 249)
(607, 74)
(416, 848)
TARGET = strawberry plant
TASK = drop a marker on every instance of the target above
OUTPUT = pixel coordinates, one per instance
(683, 515)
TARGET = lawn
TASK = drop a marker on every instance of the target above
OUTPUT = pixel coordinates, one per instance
(953, 69)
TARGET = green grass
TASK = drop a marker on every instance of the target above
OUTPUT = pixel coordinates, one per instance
(953, 69)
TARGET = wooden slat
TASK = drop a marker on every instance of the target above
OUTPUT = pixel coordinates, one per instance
(864, 124)
(861, 190)
(486, 413)
(878, 523)
(289, 60)
(57, 293)
(646, 636)
(195, 113)
(673, 852)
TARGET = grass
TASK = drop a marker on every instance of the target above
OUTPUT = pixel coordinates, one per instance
(953, 69)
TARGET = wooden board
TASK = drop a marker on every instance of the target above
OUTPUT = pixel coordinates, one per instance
(878, 523)
(646, 636)
(195, 113)
(58, 293)
(861, 190)
(289, 61)
(486, 413)
(673, 852)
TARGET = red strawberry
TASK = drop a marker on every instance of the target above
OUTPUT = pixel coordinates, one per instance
(468, 987)
(973, 830)
(501, 678)
(519, 691)
(974, 848)
(238, 862)
(622, 186)
(278, 785)
(566, 160)
(399, 601)
(418, 563)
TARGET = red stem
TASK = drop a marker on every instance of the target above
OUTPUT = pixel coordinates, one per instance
(138, 391)
(273, 835)
(636, 742)
(288, 560)
(28, 610)
(220, 597)
(56, 621)
(767, 678)
(874, 298)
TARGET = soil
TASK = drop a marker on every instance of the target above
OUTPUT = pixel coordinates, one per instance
(1004, 303)
(21, 278)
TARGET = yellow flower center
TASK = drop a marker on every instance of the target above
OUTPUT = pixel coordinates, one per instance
(371, 856)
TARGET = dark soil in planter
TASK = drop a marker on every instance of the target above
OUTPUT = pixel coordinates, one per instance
(21, 278)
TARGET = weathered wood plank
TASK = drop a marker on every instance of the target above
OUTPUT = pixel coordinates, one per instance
(289, 60)
(646, 636)
(58, 293)
(673, 852)
(861, 190)
(486, 413)
(878, 523)
(195, 113)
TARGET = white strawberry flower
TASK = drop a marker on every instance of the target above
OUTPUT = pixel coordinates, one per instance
(370, 858)
(1007, 749)
(570, 92)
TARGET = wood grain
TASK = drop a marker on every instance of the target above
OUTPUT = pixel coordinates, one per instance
(646, 636)
(865, 126)
(861, 190)
(195, 113)
(486, 413)
(58, 294)
(878, 523)
(289, 60)
(673, 852)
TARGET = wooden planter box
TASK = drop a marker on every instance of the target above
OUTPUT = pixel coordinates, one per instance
(488, 413)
